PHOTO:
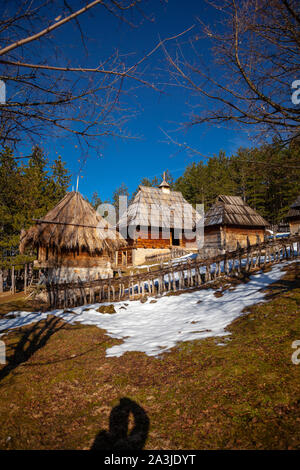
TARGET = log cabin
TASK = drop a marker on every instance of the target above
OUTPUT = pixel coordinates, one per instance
(293, 217)
(157, 221)
(72, 240)
(230, 221)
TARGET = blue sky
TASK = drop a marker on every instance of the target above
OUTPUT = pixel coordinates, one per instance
(148, 153)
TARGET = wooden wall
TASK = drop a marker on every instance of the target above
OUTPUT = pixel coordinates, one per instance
(294, 226)
(213, 238)
(147, 240)
(49, 257)
(226, 237)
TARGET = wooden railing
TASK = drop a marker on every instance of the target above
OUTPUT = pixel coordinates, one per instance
(174, 277)
(173, 253)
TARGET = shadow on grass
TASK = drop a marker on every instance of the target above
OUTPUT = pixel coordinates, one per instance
(290, 281)
(118, 437)
(33, 339)
(7, 306)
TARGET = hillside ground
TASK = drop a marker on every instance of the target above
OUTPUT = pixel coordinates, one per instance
(58, 388)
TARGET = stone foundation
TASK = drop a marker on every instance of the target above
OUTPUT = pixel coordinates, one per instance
(71, 274)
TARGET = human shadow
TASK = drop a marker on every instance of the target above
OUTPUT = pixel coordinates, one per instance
(32, 339)
(118, 437)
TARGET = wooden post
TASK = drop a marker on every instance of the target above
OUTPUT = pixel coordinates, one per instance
(49, 293)
(1, 280)
(225, 264)
(259, 253)
(209, 272)
(161, 284)
(53, 294)
(143, 288)
(113, 292)
(25, 278)
(92, 295)
(65, 294)
(108, 291)
(29, 273)
(13, 280)
(232, 271)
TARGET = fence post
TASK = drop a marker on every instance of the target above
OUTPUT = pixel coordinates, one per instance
(25, 278)
(1, 280)
(13, 287)
(65, 295)
(108, 292)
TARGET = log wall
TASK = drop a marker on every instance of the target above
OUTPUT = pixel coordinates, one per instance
(226, 238)
(294, 226)
(50, 258)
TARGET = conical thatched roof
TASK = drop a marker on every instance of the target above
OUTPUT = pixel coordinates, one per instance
(75, 225)
(232, 210)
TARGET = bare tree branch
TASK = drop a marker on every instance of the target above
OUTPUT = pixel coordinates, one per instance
(87, 102)
(255, 51)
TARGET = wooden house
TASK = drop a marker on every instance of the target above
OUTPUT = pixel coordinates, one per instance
(73, 241)
(157, 220)
(230, 221)
(293, 217)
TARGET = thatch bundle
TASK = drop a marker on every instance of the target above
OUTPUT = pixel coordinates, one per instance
(73, 225)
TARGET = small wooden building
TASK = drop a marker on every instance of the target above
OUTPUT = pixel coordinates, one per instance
(73, 241)
(230, 221)
(157, 220)
(293, 217)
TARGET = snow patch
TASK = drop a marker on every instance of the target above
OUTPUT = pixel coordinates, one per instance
(155, 328)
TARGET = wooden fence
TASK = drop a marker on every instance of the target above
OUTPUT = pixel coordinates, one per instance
(17, 277)
(173, 277)
(173, 253)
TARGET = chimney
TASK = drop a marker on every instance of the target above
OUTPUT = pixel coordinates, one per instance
(164, 186)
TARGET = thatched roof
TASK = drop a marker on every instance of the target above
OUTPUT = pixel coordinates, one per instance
(75, 225)
(153, 207)
(294, 211)
(232, 210)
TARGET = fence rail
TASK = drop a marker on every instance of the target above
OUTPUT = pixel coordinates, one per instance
(173, 277)
(173, 253)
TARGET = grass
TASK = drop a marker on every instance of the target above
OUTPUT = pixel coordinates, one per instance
(60, 388)
(19, 301)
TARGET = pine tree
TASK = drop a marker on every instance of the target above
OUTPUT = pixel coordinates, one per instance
(27, 192)
(61, 178)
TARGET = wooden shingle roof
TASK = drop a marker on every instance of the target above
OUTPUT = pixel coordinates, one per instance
(232, 210)
(153, 207)
(294, 211)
